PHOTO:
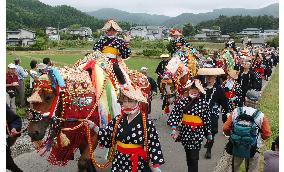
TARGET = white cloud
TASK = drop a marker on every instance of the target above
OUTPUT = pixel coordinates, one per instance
(166, 7)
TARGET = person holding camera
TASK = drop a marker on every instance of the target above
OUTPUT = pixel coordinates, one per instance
(11, 85)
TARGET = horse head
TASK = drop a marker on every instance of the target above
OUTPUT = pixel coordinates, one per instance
(40, 104)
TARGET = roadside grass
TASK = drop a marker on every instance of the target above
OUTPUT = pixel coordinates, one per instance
(269, 105)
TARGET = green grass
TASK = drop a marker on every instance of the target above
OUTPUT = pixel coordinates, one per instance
(66, 57)
(269, 105)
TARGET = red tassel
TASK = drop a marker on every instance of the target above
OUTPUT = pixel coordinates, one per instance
(167, 110)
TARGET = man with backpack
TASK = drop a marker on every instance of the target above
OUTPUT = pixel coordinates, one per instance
(247, 127)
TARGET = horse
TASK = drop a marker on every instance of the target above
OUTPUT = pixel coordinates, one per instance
(61, 111)
(89, 92)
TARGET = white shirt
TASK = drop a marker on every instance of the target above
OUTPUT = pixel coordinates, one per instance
(33, 73)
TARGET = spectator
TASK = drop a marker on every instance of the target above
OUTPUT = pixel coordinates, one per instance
(47, 61)
(271, 157)
(22, 74)
(263, 131)
(33, 73)
(161, 69)
(153, 87)
(13, 128)
(11, 84)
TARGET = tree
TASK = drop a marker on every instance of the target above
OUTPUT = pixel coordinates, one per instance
(74, 26)
(274, 42)
(188, 30)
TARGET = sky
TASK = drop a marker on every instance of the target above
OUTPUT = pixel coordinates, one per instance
(165, 7)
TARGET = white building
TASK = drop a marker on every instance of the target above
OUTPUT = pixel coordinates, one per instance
(51, 31)
(83, 32)
(269, 33)
(21, 37)
(211, 32)
(250, 32)
(149, 32)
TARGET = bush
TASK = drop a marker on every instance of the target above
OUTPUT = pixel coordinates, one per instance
(274, 42)
(152, 52)
(20, 48)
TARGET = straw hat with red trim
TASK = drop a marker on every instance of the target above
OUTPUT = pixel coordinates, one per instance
(111, 24)
(133, 92)
(197, 83)
(176, 32)
(210, 71)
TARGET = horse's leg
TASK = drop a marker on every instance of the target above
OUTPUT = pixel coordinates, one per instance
(85, 163)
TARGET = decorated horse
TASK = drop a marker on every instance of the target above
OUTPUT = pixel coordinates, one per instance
(61, 102)
(183, 66)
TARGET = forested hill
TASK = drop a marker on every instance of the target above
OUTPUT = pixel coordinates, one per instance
(238, 23)
(33, 14)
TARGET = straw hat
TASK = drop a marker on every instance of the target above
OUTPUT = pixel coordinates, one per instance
(41, 66)
(197, 83)
(164, 55)
(210, 71)
(12, 66)
(233, 73)
(143, 69)
(111, 24)
(133, 92)
(175, 32)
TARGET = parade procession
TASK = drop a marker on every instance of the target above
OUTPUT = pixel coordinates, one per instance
(194, 110)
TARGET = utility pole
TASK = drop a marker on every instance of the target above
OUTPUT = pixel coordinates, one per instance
(58, 33)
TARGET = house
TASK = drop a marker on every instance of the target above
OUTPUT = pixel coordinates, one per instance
(22, 37)
(212, 33)
(255, 41)
(83, 32)
(250, 32)
(51, 31)
(149, 32)
(223, 37)
(201, 37)
(269, 33)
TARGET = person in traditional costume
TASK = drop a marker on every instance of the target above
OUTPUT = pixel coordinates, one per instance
(215, 96)
(153, 84)
(193, 114)
(178, 41)
(232, 91)
(114, 48)
(258, 71)
(246, 79)
(137, 142)
(161, 69)
(268, 63)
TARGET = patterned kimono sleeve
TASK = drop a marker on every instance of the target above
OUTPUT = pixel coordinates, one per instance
(238, 91)
(155, 151)
(124, 49)
(206, 114)
(105, 134)
(176, 114)
(99, 45)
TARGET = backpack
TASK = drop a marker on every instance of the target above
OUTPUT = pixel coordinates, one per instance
(244, 134)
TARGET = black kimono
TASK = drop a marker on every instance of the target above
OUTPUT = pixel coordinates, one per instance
(216, 97)
(132, 133)
(160, 71)
(123, 51)
(246, 83)
(114, 42)
(258, 72)
(190, 136)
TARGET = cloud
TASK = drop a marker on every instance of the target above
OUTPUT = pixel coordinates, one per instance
(165, 7)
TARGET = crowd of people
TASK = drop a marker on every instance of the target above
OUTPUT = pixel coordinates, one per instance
(227, 82)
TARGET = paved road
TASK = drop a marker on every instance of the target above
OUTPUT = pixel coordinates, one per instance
(173, 152)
